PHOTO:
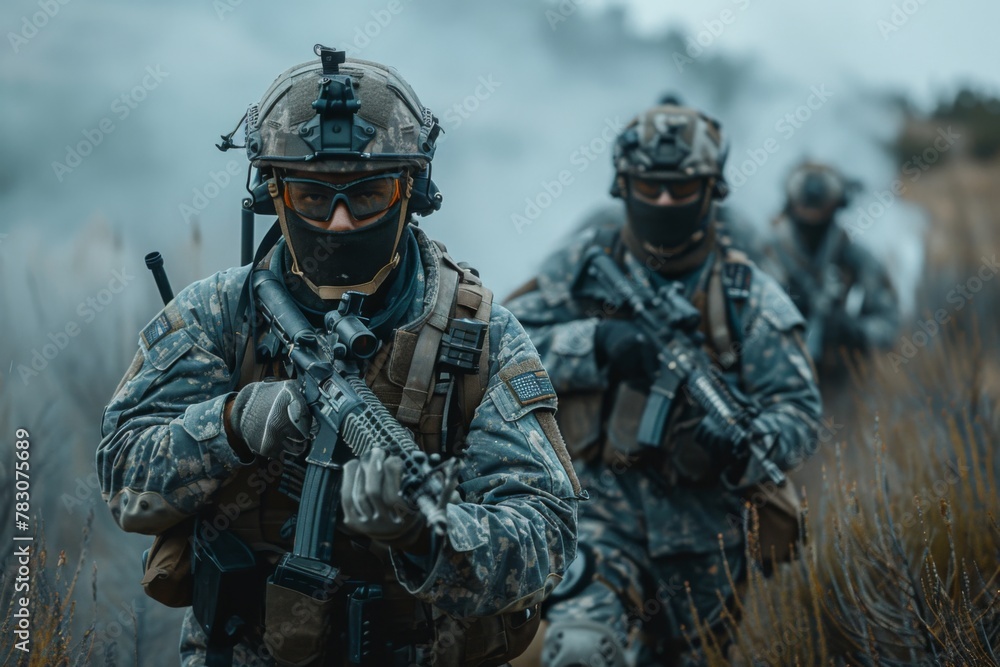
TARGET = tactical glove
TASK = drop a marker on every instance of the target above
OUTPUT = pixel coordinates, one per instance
(730, 456)
(271, 417)
(840, 329)
(716, 438)
(627, 353)
(373, 507)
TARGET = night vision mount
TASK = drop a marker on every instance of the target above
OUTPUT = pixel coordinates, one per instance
(336, 127)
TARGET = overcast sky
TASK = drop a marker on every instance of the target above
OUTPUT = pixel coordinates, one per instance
(521, 86)
(920, 46)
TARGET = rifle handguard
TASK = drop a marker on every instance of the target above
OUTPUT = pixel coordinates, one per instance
(422, 486)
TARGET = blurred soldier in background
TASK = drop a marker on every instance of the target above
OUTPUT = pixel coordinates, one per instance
(732, 229)
(843, 292)
(683, 384)
(208, 438)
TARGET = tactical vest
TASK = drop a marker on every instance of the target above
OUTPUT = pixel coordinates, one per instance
(594, 429)
(259, 502)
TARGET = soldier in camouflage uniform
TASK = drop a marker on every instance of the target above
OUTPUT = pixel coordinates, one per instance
(184, 444)
(843, 292)
(663, 531)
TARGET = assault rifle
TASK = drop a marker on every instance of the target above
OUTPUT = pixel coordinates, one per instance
(347, 413)
(670, 322)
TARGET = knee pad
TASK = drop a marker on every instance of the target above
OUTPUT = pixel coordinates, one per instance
(580, 643)
(577, 577)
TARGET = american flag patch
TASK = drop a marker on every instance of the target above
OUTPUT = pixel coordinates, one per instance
(531, 387)
(156, 330)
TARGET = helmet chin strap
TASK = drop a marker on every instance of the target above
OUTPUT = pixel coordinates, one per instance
(335, 292)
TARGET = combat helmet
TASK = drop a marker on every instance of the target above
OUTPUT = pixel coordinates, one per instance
(340, 116)
(672, 143)
(815, 191)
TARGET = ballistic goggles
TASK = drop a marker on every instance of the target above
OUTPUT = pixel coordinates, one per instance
(652, 188)
(364, 197)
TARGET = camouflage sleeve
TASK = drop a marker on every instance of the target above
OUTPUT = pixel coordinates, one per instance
(879, 319)
(564, 339)
(164, 449)
(778, 375)
(513, 535)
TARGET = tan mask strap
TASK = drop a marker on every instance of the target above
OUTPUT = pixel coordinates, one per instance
(328, 292)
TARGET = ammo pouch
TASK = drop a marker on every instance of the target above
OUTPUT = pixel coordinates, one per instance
(297, 624)
(779, 511)
(225, 600)
(488, 641)
(167, 576)
(302, 597)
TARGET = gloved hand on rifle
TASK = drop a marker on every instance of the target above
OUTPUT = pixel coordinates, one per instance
(719, 440)
(626, 352)
(373, 506)
(723, 444)
(268, 418)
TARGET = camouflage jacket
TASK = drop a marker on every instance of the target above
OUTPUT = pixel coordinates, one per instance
(858, 282)
(773, 370)
(164, 453)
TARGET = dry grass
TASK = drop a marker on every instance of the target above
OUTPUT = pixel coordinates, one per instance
(52, 593)
(903, 564)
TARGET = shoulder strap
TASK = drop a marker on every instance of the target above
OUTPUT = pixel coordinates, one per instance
(729, 283)
(475, 302)
(460, 294)
(245, 303)
(420, 377)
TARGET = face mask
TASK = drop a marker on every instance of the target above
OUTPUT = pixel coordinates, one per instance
(666, 227)
(332, 263)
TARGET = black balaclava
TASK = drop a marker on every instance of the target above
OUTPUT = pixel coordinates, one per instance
(331, 263)
(666, 227)
(817, 196)
(387, 307)
(670, 239)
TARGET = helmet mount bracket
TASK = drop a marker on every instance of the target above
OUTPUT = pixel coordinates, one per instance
(336, 127)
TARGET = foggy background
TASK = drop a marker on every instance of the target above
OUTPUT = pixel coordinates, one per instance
(524, 90)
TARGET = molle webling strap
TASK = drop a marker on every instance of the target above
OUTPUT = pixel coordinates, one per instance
(718, 323)
(478, 300)
(329, 292)
(420, 379)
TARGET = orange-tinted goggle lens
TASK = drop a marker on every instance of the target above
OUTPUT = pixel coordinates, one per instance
(364, 197)
(651, 189)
